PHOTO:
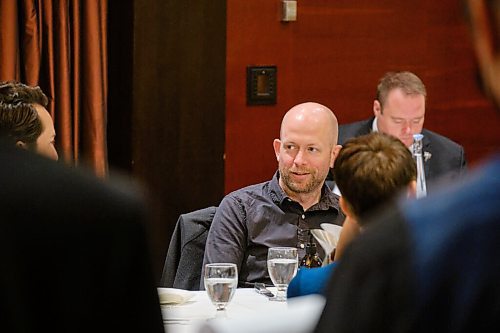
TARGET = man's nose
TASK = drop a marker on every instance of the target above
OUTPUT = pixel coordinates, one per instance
(300, 158)
(407, 128)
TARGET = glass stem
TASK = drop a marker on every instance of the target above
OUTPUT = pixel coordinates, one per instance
(281, 293)
(220, 313)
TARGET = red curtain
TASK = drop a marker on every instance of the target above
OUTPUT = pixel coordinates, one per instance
(60, 45)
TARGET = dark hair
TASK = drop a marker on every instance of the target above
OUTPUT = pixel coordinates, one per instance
(19, 119)
(408, 82)
(371, 169)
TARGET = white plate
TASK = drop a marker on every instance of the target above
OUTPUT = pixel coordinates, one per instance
(174, 296)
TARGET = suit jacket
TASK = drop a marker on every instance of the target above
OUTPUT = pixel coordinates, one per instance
(73, 251)
(447, 158)
(184, 261)
(428, 265)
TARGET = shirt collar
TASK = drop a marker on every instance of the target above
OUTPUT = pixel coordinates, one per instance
(374, 125)
(327, 200)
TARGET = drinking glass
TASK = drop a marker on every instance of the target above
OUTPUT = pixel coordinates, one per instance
(282, 265)
(220, 281)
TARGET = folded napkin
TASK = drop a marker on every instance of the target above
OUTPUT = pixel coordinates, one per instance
(327, 237)
(174, 296)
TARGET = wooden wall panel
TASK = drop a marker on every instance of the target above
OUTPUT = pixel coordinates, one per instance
(186, 105)
(334, 54)
(178, 108)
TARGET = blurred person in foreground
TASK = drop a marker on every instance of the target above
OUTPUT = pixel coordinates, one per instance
(74, 249)
(370, 170)
(24, 119)
(279, 212)
(430, 265)
(399, 110)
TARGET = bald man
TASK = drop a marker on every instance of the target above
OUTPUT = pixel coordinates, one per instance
(280, 212)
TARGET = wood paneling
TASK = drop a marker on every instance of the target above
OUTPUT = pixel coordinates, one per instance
(120, 64)
(186, 101)
(335, 54)
(178, 108)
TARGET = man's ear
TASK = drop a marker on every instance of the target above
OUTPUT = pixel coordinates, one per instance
(277, 146)
(21, 144)
(377, 108)
(335, 152)
(346, 207)
(411, 190)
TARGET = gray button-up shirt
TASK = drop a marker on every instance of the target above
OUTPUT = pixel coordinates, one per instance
(251, 220)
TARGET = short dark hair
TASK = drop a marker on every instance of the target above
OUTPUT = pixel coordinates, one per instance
(371, 169)
(408, 82)
(19, 119)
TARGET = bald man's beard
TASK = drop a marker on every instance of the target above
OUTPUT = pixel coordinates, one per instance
(314, 181)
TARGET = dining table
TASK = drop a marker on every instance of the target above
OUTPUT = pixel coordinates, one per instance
(248, 312)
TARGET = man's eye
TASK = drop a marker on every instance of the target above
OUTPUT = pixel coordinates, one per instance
(417, 121)
(312, 149)
(398, 121)
(289, 147)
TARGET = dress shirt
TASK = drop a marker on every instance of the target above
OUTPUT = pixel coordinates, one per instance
(251, 220)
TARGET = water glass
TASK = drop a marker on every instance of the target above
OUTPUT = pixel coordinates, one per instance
(282, 265)
(220, 282)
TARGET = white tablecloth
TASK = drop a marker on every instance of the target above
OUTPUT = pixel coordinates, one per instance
(248, 312)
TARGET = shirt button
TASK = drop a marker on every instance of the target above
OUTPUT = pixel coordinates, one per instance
(303, 216)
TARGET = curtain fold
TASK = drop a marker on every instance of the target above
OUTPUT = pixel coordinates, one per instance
(60, 45)
(9, 42)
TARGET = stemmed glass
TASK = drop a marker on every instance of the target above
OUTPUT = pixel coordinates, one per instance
(220, 281)
(282, 265)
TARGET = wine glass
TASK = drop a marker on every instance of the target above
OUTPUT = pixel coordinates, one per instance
(220, 281)
(282, 265)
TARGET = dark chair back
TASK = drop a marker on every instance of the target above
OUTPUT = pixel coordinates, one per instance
(185, 253)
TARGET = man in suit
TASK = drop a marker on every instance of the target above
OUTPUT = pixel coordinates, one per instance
(24, 119)
(431, 265)
(399, 110)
